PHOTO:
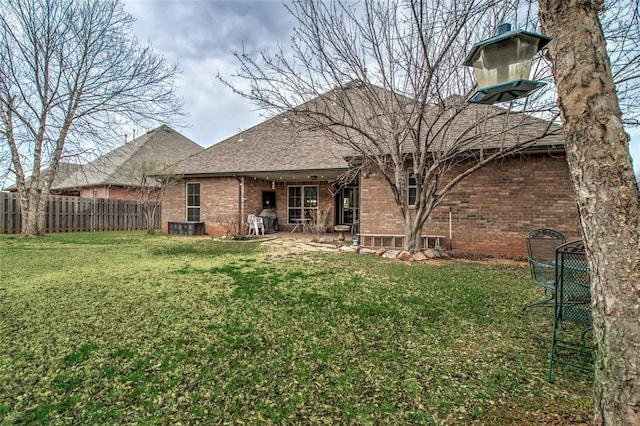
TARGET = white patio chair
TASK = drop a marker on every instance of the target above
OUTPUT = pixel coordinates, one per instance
(259, 225)
(256, 224)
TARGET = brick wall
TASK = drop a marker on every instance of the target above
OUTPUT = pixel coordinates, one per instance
(491, 210)
(253, 198)
(219, 201)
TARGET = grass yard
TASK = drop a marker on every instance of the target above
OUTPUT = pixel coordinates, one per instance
(109, 328)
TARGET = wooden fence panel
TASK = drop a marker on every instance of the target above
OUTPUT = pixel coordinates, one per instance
(75, 214)
(10, 213)
(98, 218)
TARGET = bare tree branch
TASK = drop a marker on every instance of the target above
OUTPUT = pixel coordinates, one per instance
(152, 180)
(71, 74)
(385, 79)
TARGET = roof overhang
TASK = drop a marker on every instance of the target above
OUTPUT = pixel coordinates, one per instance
(320, 175)
(546, 148)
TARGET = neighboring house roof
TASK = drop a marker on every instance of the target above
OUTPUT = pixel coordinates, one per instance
(277, 148)
(162, 145)
(65, 170)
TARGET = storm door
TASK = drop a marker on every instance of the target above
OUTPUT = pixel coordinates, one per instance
(349, 206)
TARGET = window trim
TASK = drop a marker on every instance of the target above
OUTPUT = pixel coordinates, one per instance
(188, 200)
(302, 207)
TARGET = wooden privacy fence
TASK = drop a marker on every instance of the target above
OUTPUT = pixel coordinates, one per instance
(75, 214)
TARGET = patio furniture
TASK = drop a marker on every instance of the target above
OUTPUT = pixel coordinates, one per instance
(355, 228)
(255, 224)
(541, 249)
(572, 320)
(303, 223)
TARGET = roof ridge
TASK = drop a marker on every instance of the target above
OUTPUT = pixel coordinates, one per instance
(150, 134)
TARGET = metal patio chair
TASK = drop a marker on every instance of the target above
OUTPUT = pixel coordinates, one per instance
(541, 249)
(572, 320)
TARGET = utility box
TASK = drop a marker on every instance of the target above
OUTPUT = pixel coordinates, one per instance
(186, 228)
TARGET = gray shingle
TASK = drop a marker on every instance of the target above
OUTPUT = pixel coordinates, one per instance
(162, 145)
(273, 145)
(277, 145)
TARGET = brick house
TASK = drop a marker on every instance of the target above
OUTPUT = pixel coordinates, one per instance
(292, 173)
(109, 176)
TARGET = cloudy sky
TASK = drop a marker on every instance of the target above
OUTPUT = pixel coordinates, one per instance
(200, 36)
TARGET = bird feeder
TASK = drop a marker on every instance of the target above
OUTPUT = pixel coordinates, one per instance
(502, 65)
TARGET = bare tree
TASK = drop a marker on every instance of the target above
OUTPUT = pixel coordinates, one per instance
(606, 190)
(71, 74)
(151, 180)
(621, 29)
(385, 79)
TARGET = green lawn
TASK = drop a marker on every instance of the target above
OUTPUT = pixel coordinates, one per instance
(110, 328)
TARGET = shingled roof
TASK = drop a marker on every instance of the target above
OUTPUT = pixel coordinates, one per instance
(269, 148)
(162, 145)
(278, 148)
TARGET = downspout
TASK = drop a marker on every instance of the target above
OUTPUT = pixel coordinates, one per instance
(357, 233)
(450, 231)
(240, 215)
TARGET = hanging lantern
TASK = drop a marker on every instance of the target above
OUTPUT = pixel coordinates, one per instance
(502, 65)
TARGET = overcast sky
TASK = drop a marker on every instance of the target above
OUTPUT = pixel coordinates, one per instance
(200, 35)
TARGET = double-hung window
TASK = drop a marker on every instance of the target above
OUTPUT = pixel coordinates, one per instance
(412, 187)
(302, 203)
(193, 202)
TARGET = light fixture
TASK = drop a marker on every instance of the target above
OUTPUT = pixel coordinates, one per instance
(502, 65)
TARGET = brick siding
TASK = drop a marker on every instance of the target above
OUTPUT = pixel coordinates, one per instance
(491, 210)
(219, 201)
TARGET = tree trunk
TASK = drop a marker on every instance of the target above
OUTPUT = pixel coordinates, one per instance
(151, 228)
(149, 214)
(32, 214)
(41, 210)
(412, 234)
(607, 196)
(413, 241)
(27, 222)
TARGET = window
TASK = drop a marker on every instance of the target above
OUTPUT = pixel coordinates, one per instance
(411, 187)
(193, 202)
(302, 202)
(348, 209)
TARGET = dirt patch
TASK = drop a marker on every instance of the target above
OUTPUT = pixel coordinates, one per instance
(283, 247)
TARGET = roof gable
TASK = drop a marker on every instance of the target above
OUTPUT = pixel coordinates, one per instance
(271, 146)
(162, 145)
